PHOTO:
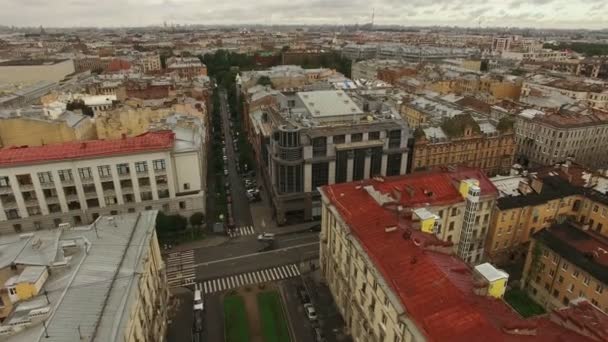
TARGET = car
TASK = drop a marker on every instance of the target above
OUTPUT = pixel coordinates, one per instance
(227, 185)
(310, 311)
(198, 299)
(225, 158)
(304, 298)
(225, 172)
(228, 199)
(266, 237)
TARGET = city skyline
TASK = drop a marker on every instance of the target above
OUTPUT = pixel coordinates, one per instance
(475, 13)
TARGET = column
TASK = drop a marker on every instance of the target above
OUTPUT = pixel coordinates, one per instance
(170, 177)
(98, 189)
(350, 166)
(368, 163)
(18, 196)
(135, 182)
(79, 190)
(2, 212)
(63, 203)
(152, 177)
(403, 167)
(384, 163)
(331, 177)
(44, 209)
(117, 189)
(307, 177)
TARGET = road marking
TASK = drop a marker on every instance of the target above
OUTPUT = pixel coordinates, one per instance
(255, 277)
(256, 254)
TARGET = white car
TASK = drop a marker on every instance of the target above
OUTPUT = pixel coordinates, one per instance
(310, 312)
(266, 237)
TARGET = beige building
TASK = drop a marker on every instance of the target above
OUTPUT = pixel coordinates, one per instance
(101, 282)
(32, 128)
(565, 262)
(392, 279)
(42, 187)
(36, 70)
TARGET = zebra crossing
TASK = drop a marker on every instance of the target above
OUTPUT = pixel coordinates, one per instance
(180, 268)
(256, 277)
(241, 231)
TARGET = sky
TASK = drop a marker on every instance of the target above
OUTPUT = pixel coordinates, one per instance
(591, 14)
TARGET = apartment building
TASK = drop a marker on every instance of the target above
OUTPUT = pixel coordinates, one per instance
(86, 63)
(150, 63)
(589, 92)
(310, 139)
(565, 262)
(461, 140)
(531, 203)
(369, 69)
(186, 67)
(76, 182)
(286, 77)
(357, 52)
(548, 137)
(393, 279)
(104, 282)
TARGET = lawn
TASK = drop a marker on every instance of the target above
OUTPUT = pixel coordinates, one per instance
(235, 319)
(274, 325)
(523, 304)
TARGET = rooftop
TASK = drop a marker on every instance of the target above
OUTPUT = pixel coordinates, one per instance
(435, 289)
(584, 248)
(328, 103)
(151, 141)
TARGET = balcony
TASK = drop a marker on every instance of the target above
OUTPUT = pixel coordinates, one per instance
(9, 204)
(109, 192)
(124, 175)
(105, 177)
(162, 186)
(32, 202)
(71, 197)
(26, 187)
(68, 182)
(160, 172)
(127, 190)
(90, 194)
(52, 200)
(47, 185)
(5, 190)
(88, 180)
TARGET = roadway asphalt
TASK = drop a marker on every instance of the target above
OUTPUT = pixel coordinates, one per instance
(240, 204)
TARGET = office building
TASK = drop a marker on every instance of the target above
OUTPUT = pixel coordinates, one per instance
(310, 139)
(76, 182)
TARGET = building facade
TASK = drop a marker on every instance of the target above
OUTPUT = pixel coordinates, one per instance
(186, 67)
(566, 262)
(42, 187)
(393, 280)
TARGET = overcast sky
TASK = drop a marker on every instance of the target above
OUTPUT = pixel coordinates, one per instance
(522, 13)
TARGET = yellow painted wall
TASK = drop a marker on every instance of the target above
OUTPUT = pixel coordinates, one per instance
(497, 288)
(25, 291)
(427, 225)
(21, 131)
(465, 185)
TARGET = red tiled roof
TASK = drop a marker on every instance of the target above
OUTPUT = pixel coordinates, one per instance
(151, 141)
(118, 65)
(436, 289)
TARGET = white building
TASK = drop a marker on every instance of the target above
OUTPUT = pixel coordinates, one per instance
(43, 186)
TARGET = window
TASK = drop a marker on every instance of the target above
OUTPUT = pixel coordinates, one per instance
(4, 182)
(104, 171)
(339, 139)
(319, 147)
(383, 319)
(159, 164)
(575, 274)
(186, 186)
(12, 291)
(123, 169)
(451, 226)
(113, 212)
(565, 266)
(599, 288)
(555, 293)
(85, 173)
(560, 279)
(141, 167)
(373, 136)
(66, 175)
(394, 138)
(45, 177)
(571, 288)
(586, 280)
(454, 211)
(182, 205)
(596, 208)
(17, 228)
(554, 258)
(356, 137)
(551, 273)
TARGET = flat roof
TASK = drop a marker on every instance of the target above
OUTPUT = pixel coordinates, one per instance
(150, 141)
(328, 103)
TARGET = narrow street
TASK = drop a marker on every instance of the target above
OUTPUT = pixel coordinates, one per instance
(240, 203)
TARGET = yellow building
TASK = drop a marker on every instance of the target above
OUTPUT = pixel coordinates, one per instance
(565, 262)
(36, 131)
(536, 204)
(494, 281)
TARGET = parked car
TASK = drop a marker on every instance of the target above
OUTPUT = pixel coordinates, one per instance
(225, 172)
(310, 311)
(227, 185)
(266, 237)
(319, 335)
(304, 298)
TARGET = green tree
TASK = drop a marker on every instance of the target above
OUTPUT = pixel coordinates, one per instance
(264, 80)
(196, 219)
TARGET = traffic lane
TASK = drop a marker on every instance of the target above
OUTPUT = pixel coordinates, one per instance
(239, 246)
(295, 310)
(288, 241)
(256, 261)
(214, 321)
(180, 328)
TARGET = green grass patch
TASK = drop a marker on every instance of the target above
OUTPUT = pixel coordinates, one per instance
(235, 319)
(522, 303)
(274, 324)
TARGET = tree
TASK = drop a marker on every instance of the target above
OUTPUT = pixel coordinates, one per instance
(196, 219)
(264, 81)
(79, 105)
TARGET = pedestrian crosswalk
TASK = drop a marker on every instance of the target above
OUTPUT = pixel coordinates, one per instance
(180, 268)
(241, 231)
(261, 276)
